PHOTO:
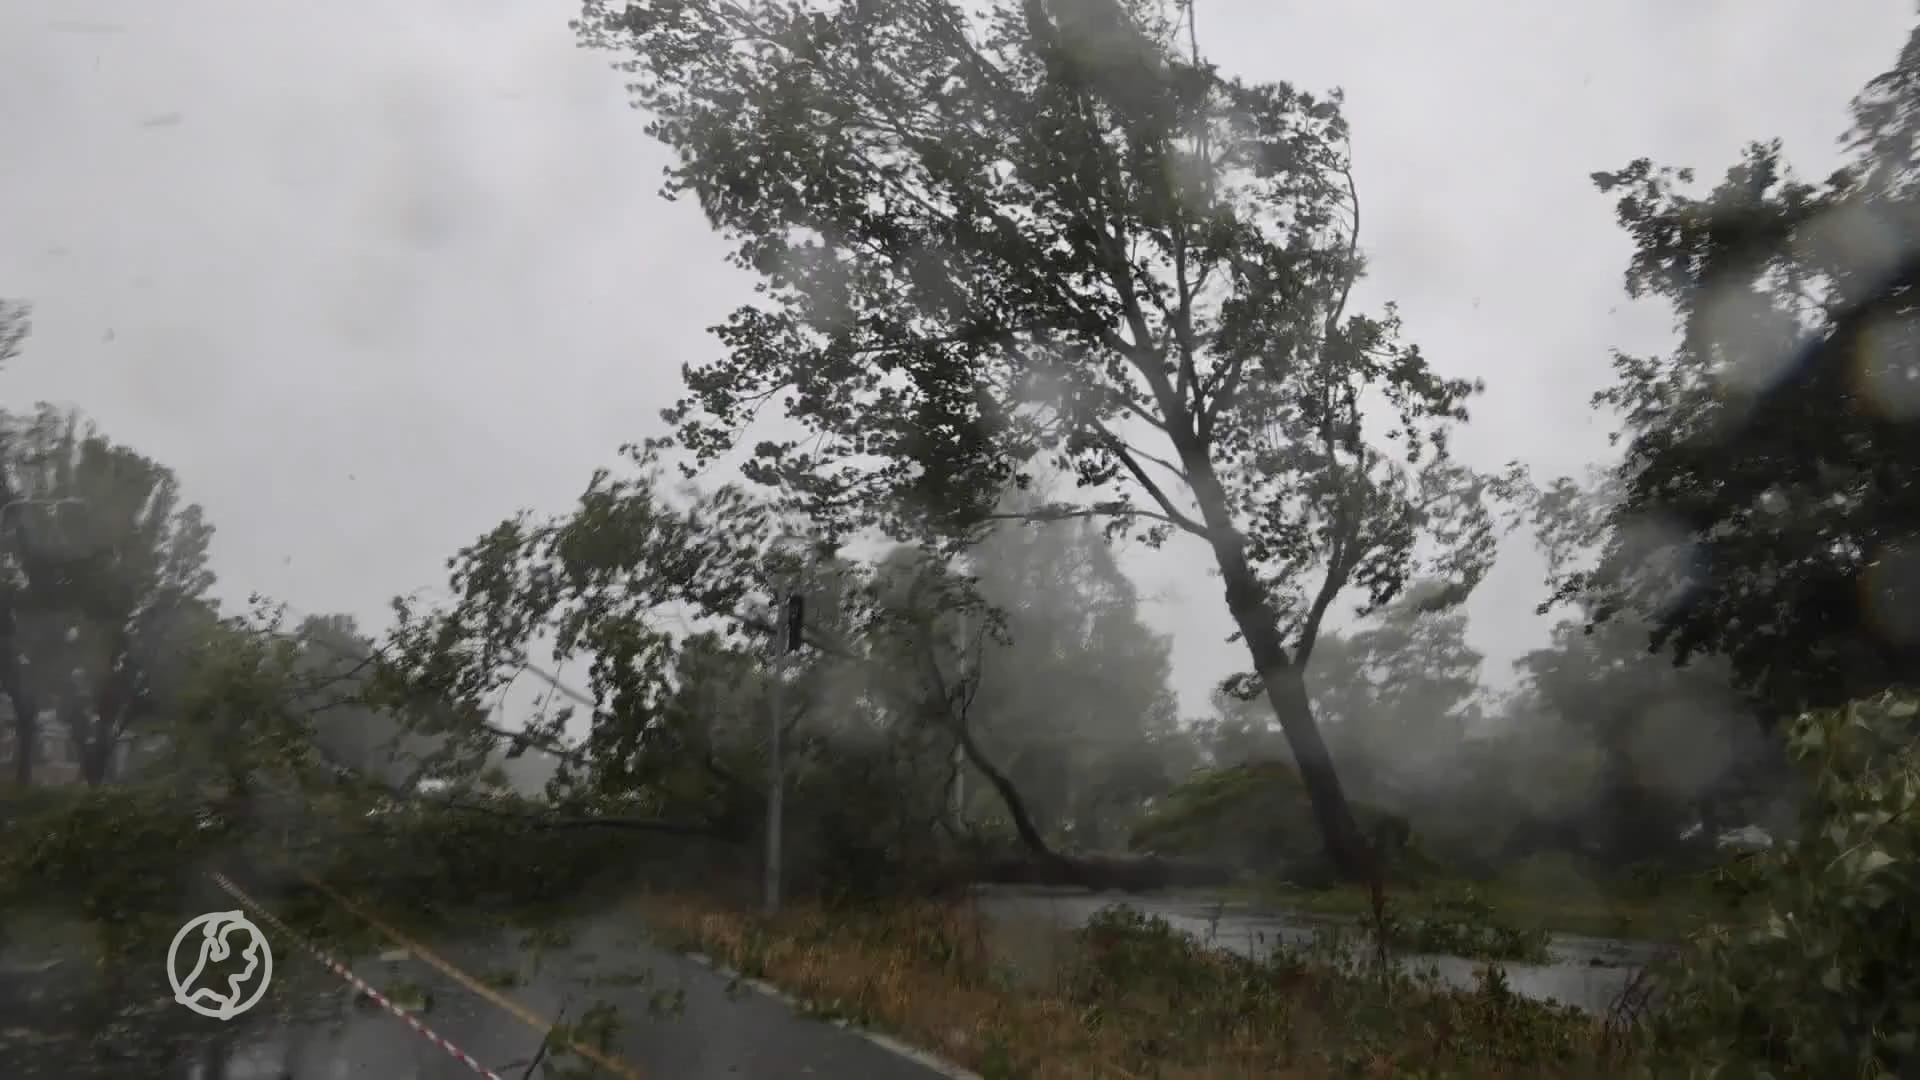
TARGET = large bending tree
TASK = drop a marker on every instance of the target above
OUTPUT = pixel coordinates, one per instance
(1041, 236)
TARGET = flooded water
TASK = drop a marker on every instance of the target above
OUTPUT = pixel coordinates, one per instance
(1588, 973)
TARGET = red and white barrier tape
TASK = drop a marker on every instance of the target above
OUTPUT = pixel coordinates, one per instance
(357, 982)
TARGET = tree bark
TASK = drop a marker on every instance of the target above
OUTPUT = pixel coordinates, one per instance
(1003, 786)
(26, 711)
(1283, 679)
(1010, 796)
(1346, 844)
(26, 720)
(96, 759)
(93, 740)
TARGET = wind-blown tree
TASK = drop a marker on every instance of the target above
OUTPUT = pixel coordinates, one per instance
(1040, 237)
(1236, 731)
(670, 605)
(15, 325)
(337, 667)
(933, 637)
(246, 706)
(111, 581)
(1666, 747)
(636, 584)
(1769, 499)
(668, 602)
(1075, 701)
(1400, 697)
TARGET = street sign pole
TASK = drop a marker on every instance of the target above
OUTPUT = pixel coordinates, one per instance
(786, 641)
(776, 786)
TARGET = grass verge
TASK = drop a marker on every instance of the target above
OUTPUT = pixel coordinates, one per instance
(1129, 997)
(1593, 912)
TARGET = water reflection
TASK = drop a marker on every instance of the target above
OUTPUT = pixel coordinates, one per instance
(1586, 972)
(307, 1031)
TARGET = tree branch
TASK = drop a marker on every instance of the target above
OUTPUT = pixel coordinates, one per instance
(1121, 450)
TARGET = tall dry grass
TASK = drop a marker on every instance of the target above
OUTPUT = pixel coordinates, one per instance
(1027, 996)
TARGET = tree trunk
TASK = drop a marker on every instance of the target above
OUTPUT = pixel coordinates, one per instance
(26, 726)
(1003, 786)
(26, 711)
(25, 734)
(1282, 678)
(93, 745)
(1009, 795)
(96, 759)
(1347, 846)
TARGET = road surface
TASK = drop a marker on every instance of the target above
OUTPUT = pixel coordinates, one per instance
(677, 1019)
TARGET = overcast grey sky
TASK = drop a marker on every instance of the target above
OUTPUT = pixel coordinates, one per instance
(370, 276)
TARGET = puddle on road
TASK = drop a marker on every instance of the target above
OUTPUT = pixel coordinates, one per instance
(330, 1042)
(310, 1028)
(313, 1026)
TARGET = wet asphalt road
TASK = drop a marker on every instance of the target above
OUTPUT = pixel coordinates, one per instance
(676, 1019)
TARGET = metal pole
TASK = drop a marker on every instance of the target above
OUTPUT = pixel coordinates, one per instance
(776, 767)
(788, 616)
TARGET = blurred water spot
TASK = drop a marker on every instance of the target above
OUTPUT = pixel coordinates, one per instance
(1670, 561)
(1750, 339)
(1887, 371)
(1891, 587)
(1681, 746)
(1859, 243)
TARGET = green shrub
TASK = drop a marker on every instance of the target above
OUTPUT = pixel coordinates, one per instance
(122, 858)
(1256, 817)
(1818, 973)
(1460, 923)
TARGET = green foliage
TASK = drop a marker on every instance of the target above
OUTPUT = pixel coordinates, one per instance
(1255, 816)
(334, 677)
(15, 324)
(599, 1025)
(1765, 500)
(106, 584)
(907, 669)
(995, 243)
(611, 584)
(1460, 922)
(1398, 694)
(1625, 750)
(1075, 702)
(132, 859)
(1819, 975)
(124, 858)
(1138, 973)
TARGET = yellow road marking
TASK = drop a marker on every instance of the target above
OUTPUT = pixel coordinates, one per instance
(513, 1008)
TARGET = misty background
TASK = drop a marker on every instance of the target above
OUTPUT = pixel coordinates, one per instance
(367, 276)
(336, 344)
